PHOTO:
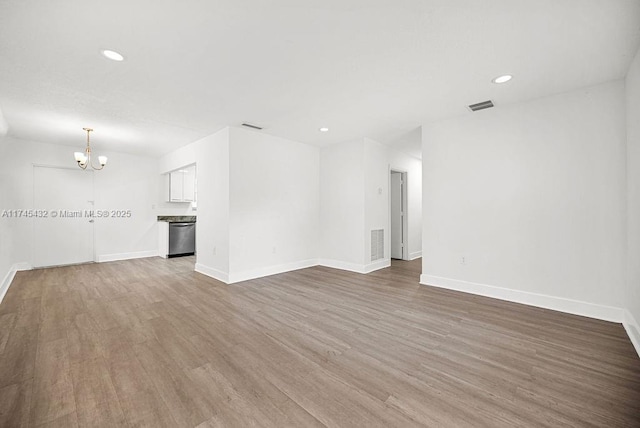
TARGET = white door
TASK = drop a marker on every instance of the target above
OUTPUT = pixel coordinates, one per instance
(397, 247)
(65, 235)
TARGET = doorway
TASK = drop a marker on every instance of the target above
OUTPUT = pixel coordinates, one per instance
(63, 227)
(398, 215)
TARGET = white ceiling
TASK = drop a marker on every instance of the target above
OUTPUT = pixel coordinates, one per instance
(376, 68)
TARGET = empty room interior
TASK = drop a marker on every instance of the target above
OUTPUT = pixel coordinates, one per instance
(322, 213)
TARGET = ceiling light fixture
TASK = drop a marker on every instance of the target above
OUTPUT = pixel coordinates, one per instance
(84, 159)
(324, 129)
(502, 79)
(112, 55)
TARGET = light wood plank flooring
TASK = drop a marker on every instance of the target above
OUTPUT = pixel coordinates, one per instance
(148, 342)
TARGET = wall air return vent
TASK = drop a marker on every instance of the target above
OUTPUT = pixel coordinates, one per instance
(248, 125)
(481, 106)
(377, 244)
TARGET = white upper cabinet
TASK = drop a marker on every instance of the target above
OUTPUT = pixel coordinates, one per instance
(189, 184)
(175, 186)
(182, 185)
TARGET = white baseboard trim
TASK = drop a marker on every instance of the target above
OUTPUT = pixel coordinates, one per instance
(22, 266)
(380, 264)
(339, 264)
(633, 329)
(415, 255)
(354, 267)
(8, 278)
(271, 270)
(6, 282)
(213, 273)
(233, 278)
(606, 313)
(126, 256)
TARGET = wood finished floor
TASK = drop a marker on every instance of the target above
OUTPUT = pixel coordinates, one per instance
(148, 342)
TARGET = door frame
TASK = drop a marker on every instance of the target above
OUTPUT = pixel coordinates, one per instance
(33, 204)
(405, 216)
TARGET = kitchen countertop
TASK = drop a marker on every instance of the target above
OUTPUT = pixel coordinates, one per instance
(177, 218)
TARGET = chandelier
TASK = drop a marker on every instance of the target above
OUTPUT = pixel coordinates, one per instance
(84, 159)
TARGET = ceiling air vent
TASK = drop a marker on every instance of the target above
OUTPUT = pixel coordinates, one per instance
(481, 106)
(248, 125)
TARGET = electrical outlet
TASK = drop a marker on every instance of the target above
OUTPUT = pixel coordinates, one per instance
(214, 251)
(463, 260)
(274, 250)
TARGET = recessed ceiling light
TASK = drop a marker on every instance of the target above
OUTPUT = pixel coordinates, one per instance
(112, 55)
(502, 79)
(324, 129)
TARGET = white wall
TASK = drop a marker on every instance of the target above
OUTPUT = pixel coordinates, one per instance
(6, 224)
(127, 183)
(212, 228)
(354, 199)
(410, 143)
(181, 157)
(211, 156)
(342, 205)
(376, 200)
(274, 204)
(6, 236)
(399, 161)
(533, 197)
(632, 84)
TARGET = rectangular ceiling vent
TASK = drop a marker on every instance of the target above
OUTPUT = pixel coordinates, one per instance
(481, 106)
(248, 125)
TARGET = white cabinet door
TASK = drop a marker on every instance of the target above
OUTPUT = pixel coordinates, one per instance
(189, 184)
(182, 185)
(176, 180)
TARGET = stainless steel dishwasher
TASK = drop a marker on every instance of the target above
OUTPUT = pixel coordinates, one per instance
(182, 239)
